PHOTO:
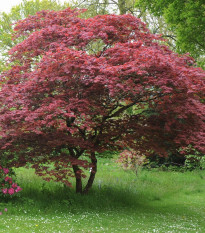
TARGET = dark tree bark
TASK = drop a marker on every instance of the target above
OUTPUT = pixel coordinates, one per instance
(92, 174)
(77, 172)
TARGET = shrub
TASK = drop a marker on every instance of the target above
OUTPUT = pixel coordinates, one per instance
(131, 160)
(193, 158)
(8, 186)
(194, 162)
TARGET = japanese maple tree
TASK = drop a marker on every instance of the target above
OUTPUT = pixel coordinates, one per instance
(80, 86)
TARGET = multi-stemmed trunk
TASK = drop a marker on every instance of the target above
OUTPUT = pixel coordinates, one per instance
(78, 176)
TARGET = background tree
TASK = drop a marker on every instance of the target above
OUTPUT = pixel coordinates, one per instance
(101, 7)
(21, 11)
(61, 103)
(186, 19)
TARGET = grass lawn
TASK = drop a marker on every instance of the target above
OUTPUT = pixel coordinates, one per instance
(120, 201)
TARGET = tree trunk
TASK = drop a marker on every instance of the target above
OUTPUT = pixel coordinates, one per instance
(77, 172)
(122, 7)
(92, 174)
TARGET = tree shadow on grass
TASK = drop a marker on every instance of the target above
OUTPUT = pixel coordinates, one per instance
(59, 199)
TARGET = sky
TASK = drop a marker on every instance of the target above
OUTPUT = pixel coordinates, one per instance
(6, 5)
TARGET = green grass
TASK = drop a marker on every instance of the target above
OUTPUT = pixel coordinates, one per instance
(120, 201)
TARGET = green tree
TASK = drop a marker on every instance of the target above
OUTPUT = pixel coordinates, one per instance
(187, 19)
(18, 12)
(102, 7)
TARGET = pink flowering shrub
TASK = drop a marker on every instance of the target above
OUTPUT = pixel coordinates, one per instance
(131, 160)
(7, 186)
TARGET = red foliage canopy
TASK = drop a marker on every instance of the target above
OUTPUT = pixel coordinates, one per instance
(81, 86)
